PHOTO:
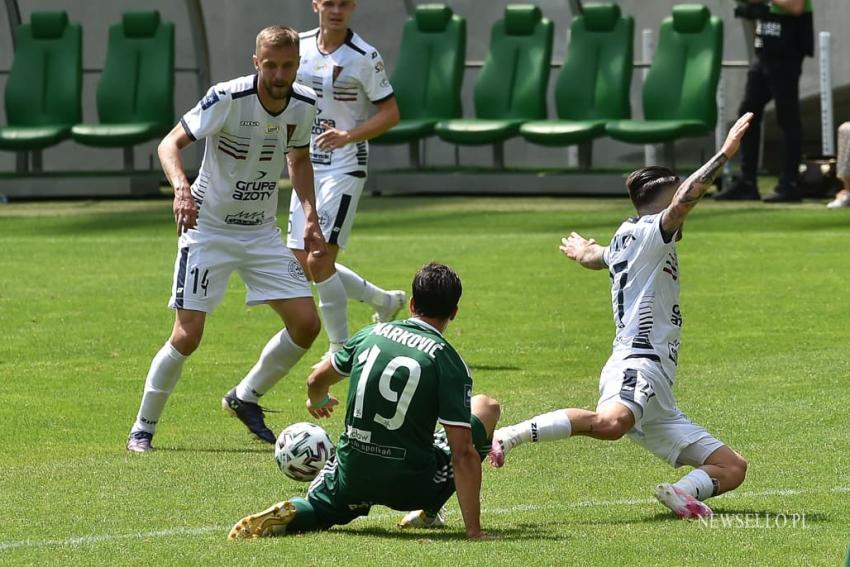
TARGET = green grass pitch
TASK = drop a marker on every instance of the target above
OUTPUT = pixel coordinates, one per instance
(764, 366)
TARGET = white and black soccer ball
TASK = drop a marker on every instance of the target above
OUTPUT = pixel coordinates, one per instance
(302, 449)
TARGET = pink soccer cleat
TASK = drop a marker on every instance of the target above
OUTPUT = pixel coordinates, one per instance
(683, 504)
(497, 453)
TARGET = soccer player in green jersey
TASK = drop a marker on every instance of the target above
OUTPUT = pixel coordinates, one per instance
(404, 378)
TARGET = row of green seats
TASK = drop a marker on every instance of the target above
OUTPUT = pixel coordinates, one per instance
(44, 89)
(592, 89)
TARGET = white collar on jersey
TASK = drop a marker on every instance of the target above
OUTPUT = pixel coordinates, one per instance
(421, 323)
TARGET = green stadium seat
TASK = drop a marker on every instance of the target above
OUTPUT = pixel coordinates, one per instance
(43, 91)
(593, 86)
(428, 75)
(680, 91)
(511, 88)
(135, 95)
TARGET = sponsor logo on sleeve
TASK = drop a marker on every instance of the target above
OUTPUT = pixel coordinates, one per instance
(209, 100)
(379, 66)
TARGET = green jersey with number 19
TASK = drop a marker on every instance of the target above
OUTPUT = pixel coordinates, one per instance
(405, 377)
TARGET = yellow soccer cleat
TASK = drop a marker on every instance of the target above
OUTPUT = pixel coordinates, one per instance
(268, 523)
(419, 519)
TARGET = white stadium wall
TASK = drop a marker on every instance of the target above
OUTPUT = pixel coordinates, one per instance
(232, 25)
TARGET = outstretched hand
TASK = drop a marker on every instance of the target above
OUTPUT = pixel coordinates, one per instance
(736, 134)
(575, 245)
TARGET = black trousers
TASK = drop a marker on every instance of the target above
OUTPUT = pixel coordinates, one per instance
(777, 79)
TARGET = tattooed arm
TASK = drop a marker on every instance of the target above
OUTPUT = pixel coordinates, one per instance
(694, 187)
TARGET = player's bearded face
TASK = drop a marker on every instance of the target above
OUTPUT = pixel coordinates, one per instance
(277, 67)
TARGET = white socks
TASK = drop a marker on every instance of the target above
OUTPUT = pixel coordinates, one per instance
(278, 356)
(163, 375)
(546, 427)
(333, 304)
(359, 288)
(697, 483)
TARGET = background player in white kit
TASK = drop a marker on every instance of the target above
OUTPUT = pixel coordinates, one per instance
(227, 222)
(635, 387)
(349, 79)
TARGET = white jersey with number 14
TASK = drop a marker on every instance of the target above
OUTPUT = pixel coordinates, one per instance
(246, 145)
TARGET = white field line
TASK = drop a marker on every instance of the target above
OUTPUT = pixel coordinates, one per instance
(184, 531)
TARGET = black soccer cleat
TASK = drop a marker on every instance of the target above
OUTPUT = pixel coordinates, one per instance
(139, 442)
(251, 414)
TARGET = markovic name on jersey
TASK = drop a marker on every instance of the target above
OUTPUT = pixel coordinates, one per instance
(411, 340)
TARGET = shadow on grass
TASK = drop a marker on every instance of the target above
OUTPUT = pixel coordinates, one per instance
(494, 367)
(530, 532)
(263, 449)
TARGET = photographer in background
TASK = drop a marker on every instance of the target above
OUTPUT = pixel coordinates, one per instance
(784, 35)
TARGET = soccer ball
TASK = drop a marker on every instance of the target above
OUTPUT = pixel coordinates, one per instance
(302, 449)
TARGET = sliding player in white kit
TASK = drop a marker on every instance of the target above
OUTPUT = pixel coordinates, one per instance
(349, 79)
(227, 222)
(635, 387)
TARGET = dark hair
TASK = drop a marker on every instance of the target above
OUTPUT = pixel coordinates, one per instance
(644, 184)
(436, 291)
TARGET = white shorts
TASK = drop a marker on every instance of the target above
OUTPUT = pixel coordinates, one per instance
(205, 262)
(337, 196)
(659, 425)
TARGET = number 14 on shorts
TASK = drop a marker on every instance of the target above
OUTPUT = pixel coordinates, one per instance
(199, 280)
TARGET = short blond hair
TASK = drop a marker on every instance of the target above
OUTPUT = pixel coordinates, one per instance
(277, 36)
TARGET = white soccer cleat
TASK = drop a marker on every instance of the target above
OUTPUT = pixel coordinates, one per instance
(841, 200)
(396, 300)
(419, 519)
(269, 522)
(683, 504)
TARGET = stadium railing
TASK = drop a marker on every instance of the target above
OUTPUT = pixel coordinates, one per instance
(511, 88)
(600, 54)
(681, 98)
(30, 131)
(43, 91)
(680, 91)
(428, 76)
(135, 95)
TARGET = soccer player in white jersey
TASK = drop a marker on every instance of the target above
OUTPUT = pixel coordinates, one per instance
(226, 222)
(635, 387)
(349, 79)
